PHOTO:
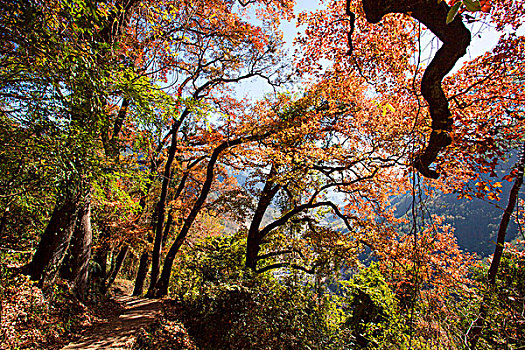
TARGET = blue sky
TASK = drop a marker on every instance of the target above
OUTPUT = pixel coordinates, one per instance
(483, 40)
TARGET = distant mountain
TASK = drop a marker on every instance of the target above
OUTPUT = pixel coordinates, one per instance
(476, 222)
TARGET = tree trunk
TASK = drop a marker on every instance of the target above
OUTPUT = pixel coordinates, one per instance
(3, 221)
(253, 246)
(54, 242)
(101, 254)
(474, 333)
(141, 273)
(455, 38)
(161, 204)
(80, 250)
(156, 254)
(160, 288)
(253, 243)
(123, 252)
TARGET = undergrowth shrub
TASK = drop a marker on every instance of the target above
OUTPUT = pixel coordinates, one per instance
(224, 306)
(227, 307)
(164, 334)
(32, 320)
(373, 316)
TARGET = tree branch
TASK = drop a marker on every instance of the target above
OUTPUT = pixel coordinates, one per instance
(282, 252)
(455, 38)
(286, 264)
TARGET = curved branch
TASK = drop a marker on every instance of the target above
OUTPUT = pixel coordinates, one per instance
(455, 38)
(352, 28)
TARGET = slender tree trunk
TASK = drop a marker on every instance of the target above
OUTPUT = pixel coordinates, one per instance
(141, 273)
(477, 327)
(54, 242)
(167, 229)
(160, 288)
(157, 255)
(145, 256)
(101, 254)
(3, 221)
(253, 246)
(253, 243)
(123, 252)
(80, 250)
(161, 204)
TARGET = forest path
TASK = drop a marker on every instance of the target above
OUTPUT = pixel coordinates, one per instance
(118, 333)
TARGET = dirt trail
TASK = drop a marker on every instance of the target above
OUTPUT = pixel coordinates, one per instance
(118, 333)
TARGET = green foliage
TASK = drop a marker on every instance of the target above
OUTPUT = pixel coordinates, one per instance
(61, 86)
(114, 194)
(470, 5)
(210, 262)
(224, 306)
(453, 12)
(374, 318)
(505, 323)
(53, 89)
(26, 185)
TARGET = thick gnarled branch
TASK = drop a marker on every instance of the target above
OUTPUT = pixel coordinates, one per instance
(455, 38)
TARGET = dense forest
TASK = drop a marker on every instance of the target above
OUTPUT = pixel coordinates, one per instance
(358, 188)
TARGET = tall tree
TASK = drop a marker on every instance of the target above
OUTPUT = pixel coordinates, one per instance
(217, 49)
(476, 328)
(63, 62)
(326, 168)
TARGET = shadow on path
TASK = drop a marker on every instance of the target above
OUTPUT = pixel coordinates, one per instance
(117, 333)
